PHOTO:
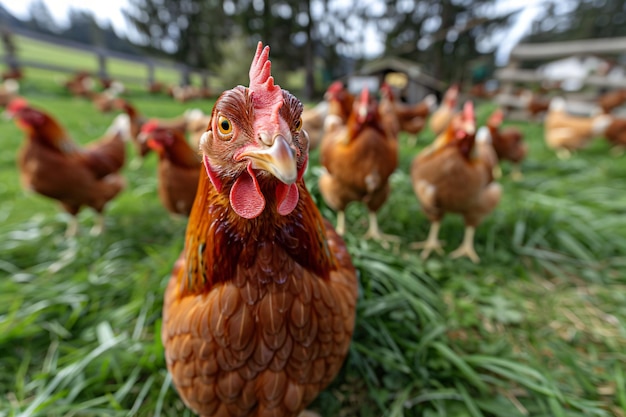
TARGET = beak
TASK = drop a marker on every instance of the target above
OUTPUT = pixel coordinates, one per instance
(279, 160)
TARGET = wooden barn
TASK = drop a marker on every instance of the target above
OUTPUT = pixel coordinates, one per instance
(407, 77)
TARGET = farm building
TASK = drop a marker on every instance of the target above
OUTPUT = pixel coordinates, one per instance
(407, 77)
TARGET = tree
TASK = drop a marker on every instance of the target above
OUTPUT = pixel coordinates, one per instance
(40, 17)
(190, 30)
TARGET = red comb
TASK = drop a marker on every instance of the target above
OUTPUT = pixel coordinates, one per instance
(365, 96)
(497, 117)
(267, 98)
(17, 104)
(150, 126)
(335, 87)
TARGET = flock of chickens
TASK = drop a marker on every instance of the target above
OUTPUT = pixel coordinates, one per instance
(260, 308)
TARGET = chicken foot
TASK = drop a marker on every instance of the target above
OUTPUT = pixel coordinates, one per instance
(341, 223)
(432, 242)
(373, 232)
(308, 413)
(467, 246)
(72, 227)
(98, 227)
(516, 173)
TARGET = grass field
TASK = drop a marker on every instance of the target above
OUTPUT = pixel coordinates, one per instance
(536, 329)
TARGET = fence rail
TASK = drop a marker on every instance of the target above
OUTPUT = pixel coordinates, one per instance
(102, 55)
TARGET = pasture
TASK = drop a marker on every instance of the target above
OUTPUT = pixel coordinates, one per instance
(538, 328)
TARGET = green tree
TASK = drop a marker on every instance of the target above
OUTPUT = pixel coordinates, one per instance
(190, 30)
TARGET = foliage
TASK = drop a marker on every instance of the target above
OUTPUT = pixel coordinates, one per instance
(536, 329)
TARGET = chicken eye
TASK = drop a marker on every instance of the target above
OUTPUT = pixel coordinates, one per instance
(299, 124)
(224, 125)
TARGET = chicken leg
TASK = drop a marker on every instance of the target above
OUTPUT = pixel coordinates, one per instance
(72, 227)
(467, 246)
(432, 242)
(516, 173)
(98, 227)
(373, 232)
(341, 223)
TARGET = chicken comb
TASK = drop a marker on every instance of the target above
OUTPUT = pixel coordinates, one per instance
(497, 117)
(266, 96)
(150, 126)
(335, 87)
(16, 105)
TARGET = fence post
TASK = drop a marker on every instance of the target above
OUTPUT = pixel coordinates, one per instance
(9, 49)
(150, 65)
(102, 64)
(184, 75)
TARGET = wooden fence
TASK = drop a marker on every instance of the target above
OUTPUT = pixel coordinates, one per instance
(102, 55)
(512, 74)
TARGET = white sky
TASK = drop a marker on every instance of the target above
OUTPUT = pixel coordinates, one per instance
(111, 11)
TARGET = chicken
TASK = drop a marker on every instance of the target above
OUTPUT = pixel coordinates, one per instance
(616, 135)
(451, 176)
(178, 168)
(566, 133)
(137, 120)
(53, 165)
(197, 124)
(359, 157)
(105, 101)
(534, 104)
(259, 311)
(81, 85)
(507, 142)
(612, 99)
(8, 91)
(313, 122)
(340, 102)
(441, 117)
(411, 118)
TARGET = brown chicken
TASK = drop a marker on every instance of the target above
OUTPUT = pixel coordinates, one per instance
(137, 120)
(536, 105)
(105, 101)
(508, 142)
(359, 157)
(259, 311)
(566, 133)
(616, 135)
(53, 165)
(8, 91)
(612, 99)
(451, 176)
(340, 102)
(178, 168)
(410, 118)
(81, 84)
(441, 117)
(313, 122)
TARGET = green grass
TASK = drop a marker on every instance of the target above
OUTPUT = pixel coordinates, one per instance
(537, 328)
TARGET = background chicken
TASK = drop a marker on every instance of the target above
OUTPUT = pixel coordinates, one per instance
(359, 158)
(178, 168)
(53, 165)
(616, 134)
(535, 104)
(507, 142)
(340, 103)
(313, 122)
(452, 177)
(441, 117)
(565, 133)
(612, 99)
(411, 118)
(260, 309)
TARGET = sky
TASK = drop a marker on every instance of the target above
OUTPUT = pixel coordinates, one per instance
(111, 11)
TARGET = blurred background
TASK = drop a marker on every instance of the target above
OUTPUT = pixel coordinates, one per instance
(314, 42)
